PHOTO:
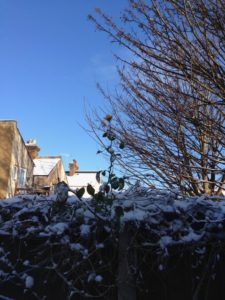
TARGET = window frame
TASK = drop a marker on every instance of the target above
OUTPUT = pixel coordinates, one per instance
(21, 178)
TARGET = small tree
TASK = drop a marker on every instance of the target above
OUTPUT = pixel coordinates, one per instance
(170, 108)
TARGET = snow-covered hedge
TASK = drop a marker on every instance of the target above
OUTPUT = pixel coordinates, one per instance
(72, 251)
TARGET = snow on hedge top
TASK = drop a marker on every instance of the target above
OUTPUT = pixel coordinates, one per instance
(166, 217)
(43, 166)
(172, 218)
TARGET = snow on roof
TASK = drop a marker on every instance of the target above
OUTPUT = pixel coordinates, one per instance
(87, 171)
(43, 166)
(81, 179)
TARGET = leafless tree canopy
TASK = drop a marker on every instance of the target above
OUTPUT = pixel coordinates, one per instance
(170, 108)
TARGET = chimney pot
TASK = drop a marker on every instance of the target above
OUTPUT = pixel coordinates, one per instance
(73, 167)
(32, 148)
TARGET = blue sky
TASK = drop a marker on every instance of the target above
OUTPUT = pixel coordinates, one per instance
(51, 58)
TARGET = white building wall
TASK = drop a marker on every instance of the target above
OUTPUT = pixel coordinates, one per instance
(82, 179)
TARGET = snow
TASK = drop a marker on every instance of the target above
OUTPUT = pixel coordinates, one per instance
(91, 277)
(134, 215)
(82, 179)
(165, 241)
(29, 282)
(100, 246)
(98, 278)
(84, 230)
(162, 221)
(5, 298)
(172, 218)
(10, 201)
(94, 277)
(43, 166)
(191, 236)
(57, 228)
(76, 246)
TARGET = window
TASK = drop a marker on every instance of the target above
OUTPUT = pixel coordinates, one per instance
(15, 173)
(22, 177)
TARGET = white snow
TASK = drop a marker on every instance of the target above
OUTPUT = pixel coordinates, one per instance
(191, 236)
(58, 228)
(94, 277)
(134, 215)
(184, 220)
(10, 201)
(91, 277)
(5, 298)
(100, 246)
(26, 263)
(29, 282)
(165, 241)
(164, 221)
(43, 166)
(82, 179)
(76, 246)
(98, 278)
(84, 230)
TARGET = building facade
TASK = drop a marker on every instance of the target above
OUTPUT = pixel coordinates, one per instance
(22, 170)
(78, 179)
(48, 171)
(16, 164)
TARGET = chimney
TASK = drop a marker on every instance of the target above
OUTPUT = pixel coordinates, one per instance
(73, 166)
(32, 148)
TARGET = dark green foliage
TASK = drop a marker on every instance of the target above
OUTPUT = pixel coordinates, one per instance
(103, 199)
(121, 145)
(62, 272)
(90, 190)
(80, 192)
(98, 177)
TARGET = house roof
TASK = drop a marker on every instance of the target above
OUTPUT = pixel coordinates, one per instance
(80, 179)
(83, 172)
(44, 165)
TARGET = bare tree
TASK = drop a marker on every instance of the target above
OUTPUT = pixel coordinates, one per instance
(170, 108)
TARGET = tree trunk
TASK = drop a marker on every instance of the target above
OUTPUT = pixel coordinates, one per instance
(125, 280)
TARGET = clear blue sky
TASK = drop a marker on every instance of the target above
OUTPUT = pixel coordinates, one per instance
(51, 58)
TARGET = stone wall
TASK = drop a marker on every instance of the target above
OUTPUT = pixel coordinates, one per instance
(6, 140)
(13, 157)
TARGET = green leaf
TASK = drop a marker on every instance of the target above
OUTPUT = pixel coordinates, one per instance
(115, 184)
(112, 176)
(99, 197)
(90, 190)
(111, 137)
(98, 174)
(107, 188)
(105, 134)
(122, 145)
(121, 184)
(80, 192)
